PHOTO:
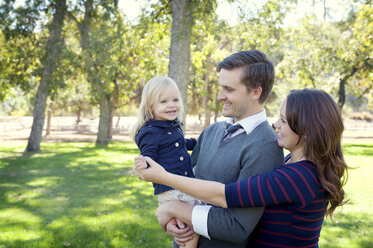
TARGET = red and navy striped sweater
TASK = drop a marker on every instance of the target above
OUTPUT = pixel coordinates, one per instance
(295, 205)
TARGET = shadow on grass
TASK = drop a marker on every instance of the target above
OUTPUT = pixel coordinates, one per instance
(358, 149)
(80, 194)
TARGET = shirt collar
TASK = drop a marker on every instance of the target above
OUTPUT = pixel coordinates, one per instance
(167, 124)
(251, 122)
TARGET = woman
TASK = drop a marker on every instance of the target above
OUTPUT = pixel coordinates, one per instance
(297, 195)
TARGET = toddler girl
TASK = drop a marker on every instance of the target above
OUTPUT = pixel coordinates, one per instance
(158, 135)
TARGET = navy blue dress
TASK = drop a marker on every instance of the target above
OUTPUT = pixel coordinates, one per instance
(164, 142)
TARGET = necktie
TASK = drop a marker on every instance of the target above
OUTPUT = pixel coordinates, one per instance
(230, 129)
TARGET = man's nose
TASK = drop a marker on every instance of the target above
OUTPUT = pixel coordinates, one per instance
(221, 95)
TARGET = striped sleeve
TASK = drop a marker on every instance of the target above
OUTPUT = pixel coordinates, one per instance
(294, 183)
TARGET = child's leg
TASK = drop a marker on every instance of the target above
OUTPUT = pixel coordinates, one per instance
(192, 243)
(177, 195)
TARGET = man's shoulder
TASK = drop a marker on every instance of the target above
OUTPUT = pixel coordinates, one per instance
(214, 126)
(264, 131)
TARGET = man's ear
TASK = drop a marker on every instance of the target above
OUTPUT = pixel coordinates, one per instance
(257, 92)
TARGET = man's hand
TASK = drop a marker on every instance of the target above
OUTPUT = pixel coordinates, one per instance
(179, 231)
(163, 214)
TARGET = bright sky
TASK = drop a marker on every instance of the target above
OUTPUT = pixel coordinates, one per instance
(228, 12)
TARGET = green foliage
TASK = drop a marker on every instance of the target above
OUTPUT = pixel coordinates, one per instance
(326, 55)
(122, 56)
(18, 63)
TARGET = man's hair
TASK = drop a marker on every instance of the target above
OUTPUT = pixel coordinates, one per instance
(259, 70)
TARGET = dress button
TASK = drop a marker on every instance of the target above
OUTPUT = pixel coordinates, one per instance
(186, 173)
(181, 158)
(169, 133)
(177, 144)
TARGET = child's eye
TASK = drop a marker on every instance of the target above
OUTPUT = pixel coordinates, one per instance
(176, 100)
(163, 101)
(283, 120)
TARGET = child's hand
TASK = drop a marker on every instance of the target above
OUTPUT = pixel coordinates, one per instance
(148, 170)
(139, 162)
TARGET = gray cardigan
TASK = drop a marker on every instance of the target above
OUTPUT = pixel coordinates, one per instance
(239, 157)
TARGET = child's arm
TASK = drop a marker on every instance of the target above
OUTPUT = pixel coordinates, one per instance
(147, 141)
(190, 143)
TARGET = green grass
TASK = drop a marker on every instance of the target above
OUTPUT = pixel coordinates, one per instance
(82, 195)
(353, 227)
(77, 195)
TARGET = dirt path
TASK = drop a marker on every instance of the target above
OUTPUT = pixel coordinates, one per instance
(64, 129)
(17, 129)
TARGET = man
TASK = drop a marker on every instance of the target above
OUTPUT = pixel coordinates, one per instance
(246, 80)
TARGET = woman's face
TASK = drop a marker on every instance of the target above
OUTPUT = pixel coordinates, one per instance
(286, 138)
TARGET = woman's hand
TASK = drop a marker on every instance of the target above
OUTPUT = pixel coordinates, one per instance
(152, 173)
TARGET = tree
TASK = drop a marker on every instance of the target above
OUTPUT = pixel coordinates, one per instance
(331, 56)
(179, 64)
(210, 44)
(19, 49)
(92, 64)
(49, 62)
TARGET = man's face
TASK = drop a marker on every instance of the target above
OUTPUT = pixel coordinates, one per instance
(235, 96)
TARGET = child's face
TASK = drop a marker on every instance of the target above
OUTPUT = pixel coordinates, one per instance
(168, 106)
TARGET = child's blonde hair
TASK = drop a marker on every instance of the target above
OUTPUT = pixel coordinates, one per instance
(150, 95)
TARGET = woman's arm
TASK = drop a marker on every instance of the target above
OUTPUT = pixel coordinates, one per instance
(208, 191)
(294, 183)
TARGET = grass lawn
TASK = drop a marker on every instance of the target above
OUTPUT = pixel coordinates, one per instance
(77, 195)
(82, 195)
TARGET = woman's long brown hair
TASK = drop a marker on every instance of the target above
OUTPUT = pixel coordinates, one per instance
(316, 118)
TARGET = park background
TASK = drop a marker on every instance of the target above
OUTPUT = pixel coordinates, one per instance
(71, 76)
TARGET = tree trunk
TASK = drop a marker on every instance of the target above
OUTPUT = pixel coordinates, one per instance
(49, 117)
(342, 83)
(78, 115)
(92, 71)
(341, 94)
(217, 108)
(49, 66)
(103, 126)
(38, 118)
(114, 105)
(110, 125)
(179, 64)
(206, 99)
